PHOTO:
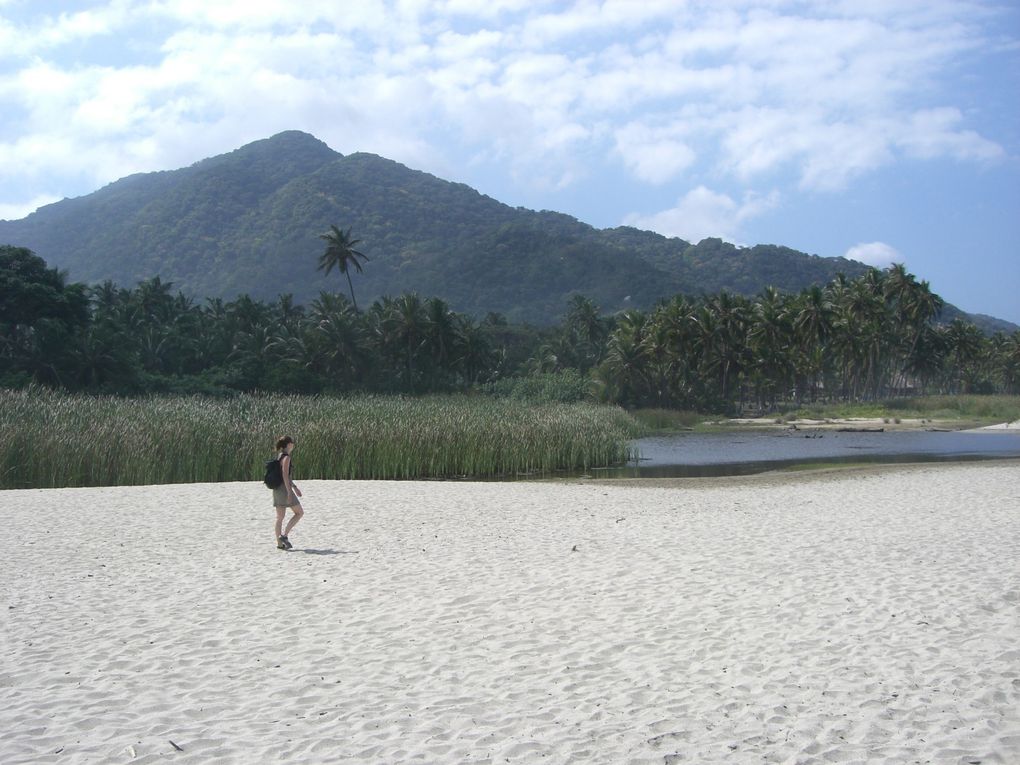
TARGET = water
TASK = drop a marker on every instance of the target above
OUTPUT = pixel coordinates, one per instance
(744, 452)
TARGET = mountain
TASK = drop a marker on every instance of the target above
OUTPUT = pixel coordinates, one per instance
(249, 222)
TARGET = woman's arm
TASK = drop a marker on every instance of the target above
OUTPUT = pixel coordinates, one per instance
(285, 469)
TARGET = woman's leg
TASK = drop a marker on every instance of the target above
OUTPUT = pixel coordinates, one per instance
(298, 513)
(280, 512)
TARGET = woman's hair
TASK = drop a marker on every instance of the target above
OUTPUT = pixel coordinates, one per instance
(282, 441)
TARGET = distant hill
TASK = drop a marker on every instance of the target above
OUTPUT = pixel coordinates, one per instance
(249, 222)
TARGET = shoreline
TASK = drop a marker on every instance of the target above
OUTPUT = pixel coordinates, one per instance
(969, 425)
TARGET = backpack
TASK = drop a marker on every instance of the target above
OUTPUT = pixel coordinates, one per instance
(274, 474)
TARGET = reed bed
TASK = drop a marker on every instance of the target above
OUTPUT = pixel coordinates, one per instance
(51, 439)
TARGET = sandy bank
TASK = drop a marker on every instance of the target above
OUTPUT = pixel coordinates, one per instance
(847, 423)
(866, 616)
(1013, 427)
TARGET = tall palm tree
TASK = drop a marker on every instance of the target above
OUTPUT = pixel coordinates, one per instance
(338, 340)
(474, 354)
(585, 332)
(771, 345)
(965, 344)
(915, 306)
(1007, 359)
(340, 253)
(722, 336)
(440, 332)
(862, 335)
(812, 325)
(155, 299)
(625, 368)
(402, 326)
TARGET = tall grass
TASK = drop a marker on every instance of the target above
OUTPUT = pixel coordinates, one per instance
(667, 420)
(50, 439)
(996, 408)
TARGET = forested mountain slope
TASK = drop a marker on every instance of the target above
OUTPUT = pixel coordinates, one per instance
(249, 222)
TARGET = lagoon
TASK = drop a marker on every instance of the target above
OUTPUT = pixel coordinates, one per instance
(748, 452)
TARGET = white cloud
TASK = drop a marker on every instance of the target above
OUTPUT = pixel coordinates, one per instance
(488, 9)
(703, 213)
(877, 254)
(249, 15)
(936, 132)
(50, 32)
(18, 211)
(744, 90)
(655, 156)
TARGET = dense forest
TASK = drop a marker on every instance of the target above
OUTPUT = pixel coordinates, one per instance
(869, 337)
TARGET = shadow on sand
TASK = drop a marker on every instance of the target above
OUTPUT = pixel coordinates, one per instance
(308, 551)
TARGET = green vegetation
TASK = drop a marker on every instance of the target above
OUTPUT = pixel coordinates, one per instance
(239, 230)
(668, 420)
(52, 439)
(564, 386)
(993, 408)
(340, 254)
(988, 409)
(850, 342)
(248, 223)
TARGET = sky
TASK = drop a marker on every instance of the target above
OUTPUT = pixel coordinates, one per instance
(882, 130)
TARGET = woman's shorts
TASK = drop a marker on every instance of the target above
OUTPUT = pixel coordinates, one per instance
(282, 499)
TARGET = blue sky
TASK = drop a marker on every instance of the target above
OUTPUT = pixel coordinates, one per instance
(883, 130)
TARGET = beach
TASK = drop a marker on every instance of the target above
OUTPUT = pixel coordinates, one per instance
(854, 616)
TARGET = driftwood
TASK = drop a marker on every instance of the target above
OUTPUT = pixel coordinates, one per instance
(861, 430)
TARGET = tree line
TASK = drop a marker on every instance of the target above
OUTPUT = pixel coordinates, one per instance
(870, 337)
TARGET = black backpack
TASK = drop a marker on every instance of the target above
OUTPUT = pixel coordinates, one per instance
(274, 474)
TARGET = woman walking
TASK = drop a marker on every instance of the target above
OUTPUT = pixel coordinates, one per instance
(286, 494)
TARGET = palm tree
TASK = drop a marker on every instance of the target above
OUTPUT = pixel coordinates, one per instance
(812, 326)
(771, 345)
(474, 353)
(1007, 361)
(915, 307)
(440, 336)
(100, 357)
(402, 326)
(965, 344)
(624, 371)
(722, 338)
(339, 343)
(340, 253)
(585, 333)
(154, 298)
(675, 329)
(288, 312)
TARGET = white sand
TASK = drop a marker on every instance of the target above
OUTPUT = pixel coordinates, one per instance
(857, 617)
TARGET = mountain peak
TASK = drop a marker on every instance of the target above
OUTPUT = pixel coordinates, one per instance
(296, 139)
(287, 148)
